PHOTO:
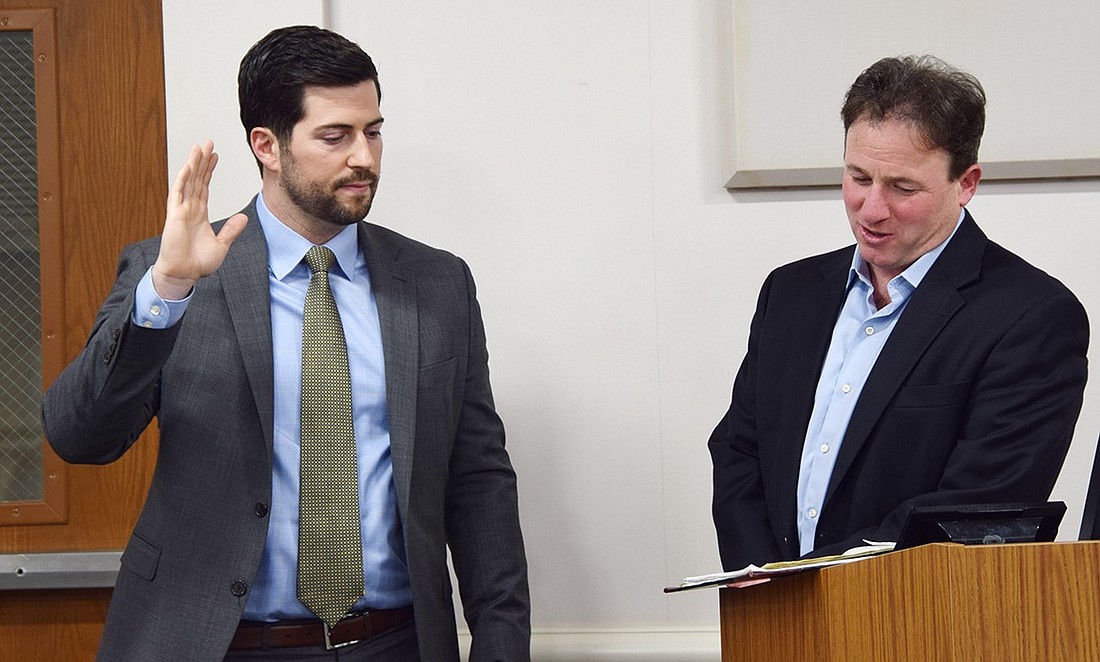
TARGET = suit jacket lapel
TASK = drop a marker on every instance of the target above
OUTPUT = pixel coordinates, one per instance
(818, 305)
(932, 305)
(394, 289)
(244, 281)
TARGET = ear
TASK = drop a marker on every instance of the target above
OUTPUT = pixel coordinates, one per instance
(968, 183)
(265, 146)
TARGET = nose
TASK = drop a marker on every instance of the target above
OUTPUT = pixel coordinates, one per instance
(875, 207)
(361, 155)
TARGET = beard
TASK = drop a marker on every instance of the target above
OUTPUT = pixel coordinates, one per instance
(318, 199)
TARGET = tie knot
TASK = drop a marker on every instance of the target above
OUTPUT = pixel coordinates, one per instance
(320, 259)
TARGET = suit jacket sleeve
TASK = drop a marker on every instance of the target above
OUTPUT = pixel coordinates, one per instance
(739, 508)
(482, 515)
(105, 398)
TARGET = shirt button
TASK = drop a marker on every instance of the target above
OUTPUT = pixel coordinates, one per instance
(155, 310)
(847, 388)
(824, 448)
(238, 588)
(147, 324)
(813, 513)
(869, 330)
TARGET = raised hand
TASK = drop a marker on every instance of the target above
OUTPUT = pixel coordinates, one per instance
(189, 249)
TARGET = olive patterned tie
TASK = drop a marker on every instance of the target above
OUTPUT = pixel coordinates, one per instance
(330, 550)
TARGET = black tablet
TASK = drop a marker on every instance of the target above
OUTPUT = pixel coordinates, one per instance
(982, 524)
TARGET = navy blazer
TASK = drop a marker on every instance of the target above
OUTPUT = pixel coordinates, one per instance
(973, 400)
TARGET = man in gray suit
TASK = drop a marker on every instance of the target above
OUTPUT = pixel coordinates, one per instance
(203, 331)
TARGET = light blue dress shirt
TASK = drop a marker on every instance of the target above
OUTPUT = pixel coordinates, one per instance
(860, 333)
(386, 579)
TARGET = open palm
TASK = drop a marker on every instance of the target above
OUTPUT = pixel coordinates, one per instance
(189, 248)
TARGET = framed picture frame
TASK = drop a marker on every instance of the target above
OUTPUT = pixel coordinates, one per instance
(1038, 62)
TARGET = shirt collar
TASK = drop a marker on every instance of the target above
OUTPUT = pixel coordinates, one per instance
(286, 248)
(915, 273)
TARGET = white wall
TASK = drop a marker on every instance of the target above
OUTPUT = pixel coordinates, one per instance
(795, 124)
(574, 153)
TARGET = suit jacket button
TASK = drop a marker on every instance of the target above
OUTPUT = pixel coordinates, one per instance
(261, 509)
(238, 588)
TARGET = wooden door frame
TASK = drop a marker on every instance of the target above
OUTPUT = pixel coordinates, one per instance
(110, 188)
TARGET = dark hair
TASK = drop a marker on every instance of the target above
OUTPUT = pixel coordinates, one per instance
(276, 70)
(945, 104)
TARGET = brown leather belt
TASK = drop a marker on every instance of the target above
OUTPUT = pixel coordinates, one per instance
(352, 629)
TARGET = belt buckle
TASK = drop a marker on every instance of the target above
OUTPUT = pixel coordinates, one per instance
(328, 642)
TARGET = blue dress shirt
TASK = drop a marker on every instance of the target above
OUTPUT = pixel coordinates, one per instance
(273, 595)
(860, 333)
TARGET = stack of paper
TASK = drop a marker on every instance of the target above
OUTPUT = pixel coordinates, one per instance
(754, 574)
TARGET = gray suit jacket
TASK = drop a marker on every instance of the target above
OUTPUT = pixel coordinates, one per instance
(187, 569)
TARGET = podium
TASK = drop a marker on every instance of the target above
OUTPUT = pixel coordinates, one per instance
(943, 602)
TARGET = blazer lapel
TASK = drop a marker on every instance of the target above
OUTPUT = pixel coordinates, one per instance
(932, 305)
(244, 281)
(394, 289)
(818, 306)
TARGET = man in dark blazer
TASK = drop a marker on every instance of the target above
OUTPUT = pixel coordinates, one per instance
(206, 571)
(925, 366)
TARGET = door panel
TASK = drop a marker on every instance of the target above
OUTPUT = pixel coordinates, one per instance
(110, 190)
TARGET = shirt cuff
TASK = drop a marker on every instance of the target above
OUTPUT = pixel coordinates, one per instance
(153, 312)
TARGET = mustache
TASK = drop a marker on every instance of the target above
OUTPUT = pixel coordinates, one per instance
(359, 176)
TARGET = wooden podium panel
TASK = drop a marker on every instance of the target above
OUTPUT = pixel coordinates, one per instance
(937, 602)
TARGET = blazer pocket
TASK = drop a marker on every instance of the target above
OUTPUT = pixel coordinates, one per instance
(436, 374)
(932, 396)
(141, 558)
